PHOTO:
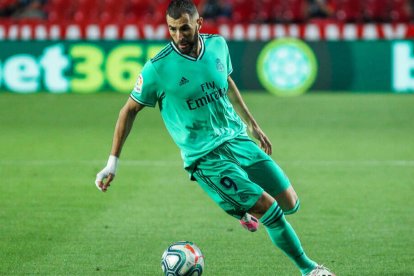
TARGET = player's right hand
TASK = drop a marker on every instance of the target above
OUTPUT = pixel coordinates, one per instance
(104, 177)
(103, 180)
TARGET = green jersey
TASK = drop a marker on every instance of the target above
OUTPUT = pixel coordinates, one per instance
(192, 96)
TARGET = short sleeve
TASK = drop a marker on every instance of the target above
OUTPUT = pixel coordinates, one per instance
(146, 87)
(228, 59)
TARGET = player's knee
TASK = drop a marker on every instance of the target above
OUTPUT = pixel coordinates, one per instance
(293, 208)
(262, 205)
(288, 200)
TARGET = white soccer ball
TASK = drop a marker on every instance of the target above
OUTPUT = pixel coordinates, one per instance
(182, 258)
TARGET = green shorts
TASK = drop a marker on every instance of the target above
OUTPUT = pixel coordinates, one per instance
(236, 173)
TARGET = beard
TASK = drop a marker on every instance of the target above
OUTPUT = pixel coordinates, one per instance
(188, 47)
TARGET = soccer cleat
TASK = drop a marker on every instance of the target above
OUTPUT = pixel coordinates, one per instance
(249, 222)
(320, 270)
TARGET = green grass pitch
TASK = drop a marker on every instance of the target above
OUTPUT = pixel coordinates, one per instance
(349, 156)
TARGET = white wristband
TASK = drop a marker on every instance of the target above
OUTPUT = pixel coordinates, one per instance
(112, 164)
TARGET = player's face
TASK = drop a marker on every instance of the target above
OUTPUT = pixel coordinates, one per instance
(184, 33)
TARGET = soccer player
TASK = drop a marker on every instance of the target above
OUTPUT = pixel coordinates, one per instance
(190, 81)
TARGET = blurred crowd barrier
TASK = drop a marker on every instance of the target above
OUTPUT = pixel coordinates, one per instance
(25, 31)
(234, 19)
(221, 11)
(286, 47)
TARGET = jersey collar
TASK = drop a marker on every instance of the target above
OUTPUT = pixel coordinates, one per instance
(202, 49)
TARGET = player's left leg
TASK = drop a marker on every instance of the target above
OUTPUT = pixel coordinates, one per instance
(288, 200)
(274, 181)
(281, 232)
(264, 171)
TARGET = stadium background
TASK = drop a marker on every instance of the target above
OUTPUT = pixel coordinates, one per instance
(347, 143)
(358, 45)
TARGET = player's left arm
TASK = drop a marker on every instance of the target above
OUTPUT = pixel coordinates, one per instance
(241, 108)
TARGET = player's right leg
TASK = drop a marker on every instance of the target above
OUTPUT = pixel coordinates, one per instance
(284, 236)
(249, 222)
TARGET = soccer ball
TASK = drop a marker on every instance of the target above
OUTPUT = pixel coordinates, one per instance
(182, 258)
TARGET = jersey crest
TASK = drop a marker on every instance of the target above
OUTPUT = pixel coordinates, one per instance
(219, 65)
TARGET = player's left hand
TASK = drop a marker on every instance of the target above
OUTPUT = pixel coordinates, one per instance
(265, 143)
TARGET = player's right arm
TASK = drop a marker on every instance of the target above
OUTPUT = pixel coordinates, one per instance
(123, 127)
(145, 93)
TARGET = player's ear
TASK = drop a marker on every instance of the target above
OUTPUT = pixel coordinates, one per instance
(199, 23)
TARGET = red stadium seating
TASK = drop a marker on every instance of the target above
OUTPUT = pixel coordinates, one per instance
(400, 11)
(374, 10)
(7, 3)
(294, 10)
(59, 10)
(348, 10)
(244, 11)
(112, 11)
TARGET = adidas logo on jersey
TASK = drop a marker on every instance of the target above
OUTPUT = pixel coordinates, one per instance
(183, 81)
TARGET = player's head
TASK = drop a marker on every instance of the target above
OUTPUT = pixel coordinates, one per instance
(184, 24)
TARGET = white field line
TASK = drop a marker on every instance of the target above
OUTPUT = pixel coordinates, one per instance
(142, 163)
(352, 163)
(166, 163)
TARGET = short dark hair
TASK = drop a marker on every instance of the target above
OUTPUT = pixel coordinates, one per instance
(177, 8)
